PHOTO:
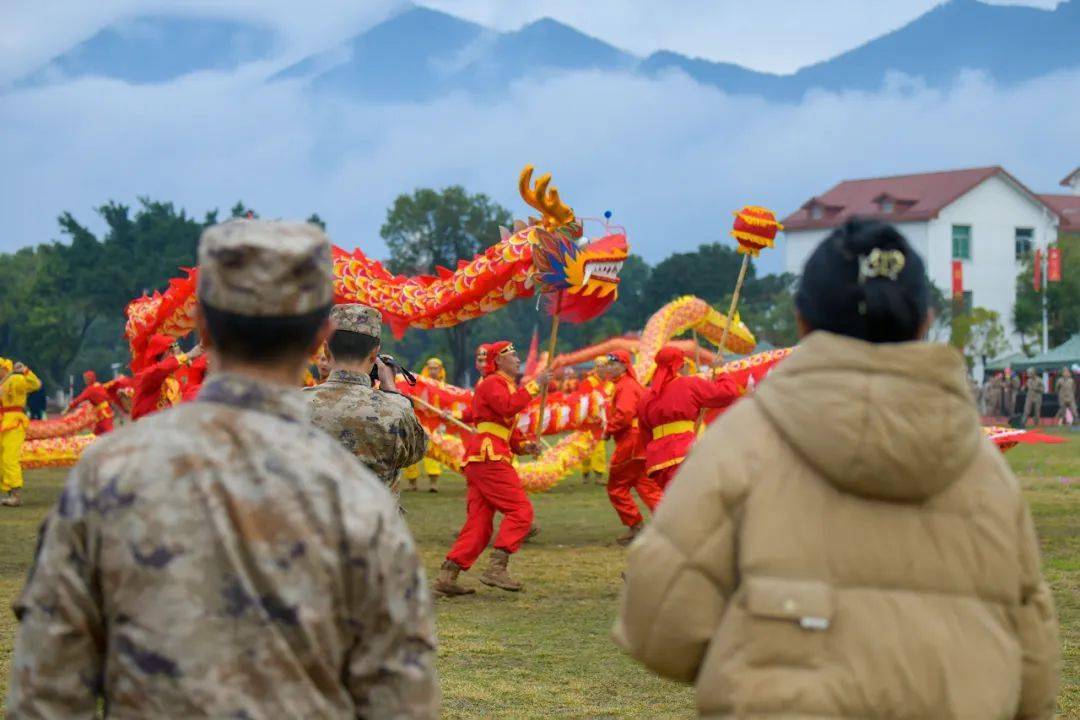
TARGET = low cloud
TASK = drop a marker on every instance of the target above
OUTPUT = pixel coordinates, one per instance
(669, 157)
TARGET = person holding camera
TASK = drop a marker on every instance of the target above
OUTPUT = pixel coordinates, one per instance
(16, 382)
(378, 426)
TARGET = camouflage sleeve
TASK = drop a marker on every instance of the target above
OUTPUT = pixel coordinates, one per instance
(412, 440)
(391, 666)
(56, 671)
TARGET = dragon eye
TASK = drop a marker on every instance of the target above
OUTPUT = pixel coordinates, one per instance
(582, 241)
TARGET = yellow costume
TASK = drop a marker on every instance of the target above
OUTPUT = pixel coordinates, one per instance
(597, 462)
(14, 388)
(433, 369)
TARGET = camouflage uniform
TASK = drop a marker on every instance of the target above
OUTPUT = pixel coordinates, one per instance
(224, 558)
(992, 396)
(1033, 402)
(1010, 393)
(379, 428)
(1066, 393)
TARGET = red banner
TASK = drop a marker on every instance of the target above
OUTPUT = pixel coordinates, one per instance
(1037, 277)
(1053, 264)
(957, 278)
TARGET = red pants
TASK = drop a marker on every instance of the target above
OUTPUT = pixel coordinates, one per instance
(631, 474)
(105, 425)
(493, 487)
(663, 477)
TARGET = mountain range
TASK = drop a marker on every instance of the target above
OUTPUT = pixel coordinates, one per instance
(419, 54)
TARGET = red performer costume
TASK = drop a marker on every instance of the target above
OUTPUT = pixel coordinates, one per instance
(670, 409)
(96, 394)
(161, 381)
(493, 483)
(628, 461)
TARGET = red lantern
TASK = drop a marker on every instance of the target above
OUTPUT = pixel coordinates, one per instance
(755, 228)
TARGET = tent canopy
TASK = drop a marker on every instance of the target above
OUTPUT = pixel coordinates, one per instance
(1011, 360)
(1065, 355)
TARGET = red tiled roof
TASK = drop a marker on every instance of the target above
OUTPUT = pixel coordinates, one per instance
(1067, 208)
(1068, 179)
(914, 197)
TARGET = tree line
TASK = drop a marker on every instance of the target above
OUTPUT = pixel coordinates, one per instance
(62, 302)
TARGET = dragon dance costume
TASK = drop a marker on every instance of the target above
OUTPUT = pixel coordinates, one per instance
(97, 395)
(669, 412)
(164, 382)
(628, 460)
(429, 465)
(493, 483)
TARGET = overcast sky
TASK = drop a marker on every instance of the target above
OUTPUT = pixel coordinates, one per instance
(670, 157)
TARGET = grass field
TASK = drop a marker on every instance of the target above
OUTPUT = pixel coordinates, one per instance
(546, 653)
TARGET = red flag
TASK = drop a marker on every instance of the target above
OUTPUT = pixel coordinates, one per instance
(532, 360)
(1053, 264)
(957, 278)
(1037, 278)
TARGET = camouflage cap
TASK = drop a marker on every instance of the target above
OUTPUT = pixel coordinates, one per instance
(261, 268)
(358, 318)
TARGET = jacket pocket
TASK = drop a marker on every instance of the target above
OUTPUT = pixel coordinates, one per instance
(788, 620)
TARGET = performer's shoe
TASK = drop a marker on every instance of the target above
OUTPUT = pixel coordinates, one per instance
(447, 585)
(585, 477)
(600, 480)
(632, 532)
(433, 489)
(533, 532)
(14, 499)
(497, 574)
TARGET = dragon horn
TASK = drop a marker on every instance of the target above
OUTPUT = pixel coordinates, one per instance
(547, 201)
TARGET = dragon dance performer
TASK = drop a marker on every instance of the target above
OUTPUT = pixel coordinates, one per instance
(481, 363)
(628, 460)
(596, 464)
(16, 382)
(493, 483)
(168, 376)
(97, 395)
(435, 370)
(669, 410)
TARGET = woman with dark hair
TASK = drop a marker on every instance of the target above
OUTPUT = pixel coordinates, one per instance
(845, 542)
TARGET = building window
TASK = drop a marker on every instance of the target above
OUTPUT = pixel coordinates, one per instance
(968, 302)
(816, 212)
(961, 242)
(1025, 240)
(887, 206)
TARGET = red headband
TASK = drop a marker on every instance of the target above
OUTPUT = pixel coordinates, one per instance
(623, 358)
(496, 349)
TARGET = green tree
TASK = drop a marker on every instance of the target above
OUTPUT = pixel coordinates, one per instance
(979, 335)
(53, 296)
(429, 229)
(941, 307)
(768, 308)
(1062, 300)
(709, 272)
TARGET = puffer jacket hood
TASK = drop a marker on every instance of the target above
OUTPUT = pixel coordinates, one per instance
(890, 422)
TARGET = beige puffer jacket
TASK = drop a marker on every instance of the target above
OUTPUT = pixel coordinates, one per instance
(845, 543)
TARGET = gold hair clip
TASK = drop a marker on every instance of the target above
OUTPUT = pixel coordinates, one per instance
(881, 263)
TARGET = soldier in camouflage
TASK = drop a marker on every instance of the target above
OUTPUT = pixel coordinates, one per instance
(1033, 402)
(1066, 393)
(379, 426)
(225, 558)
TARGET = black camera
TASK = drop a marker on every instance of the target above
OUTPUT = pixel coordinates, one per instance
(394, 365)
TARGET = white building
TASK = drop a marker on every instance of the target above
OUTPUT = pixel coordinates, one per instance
(984, 217)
